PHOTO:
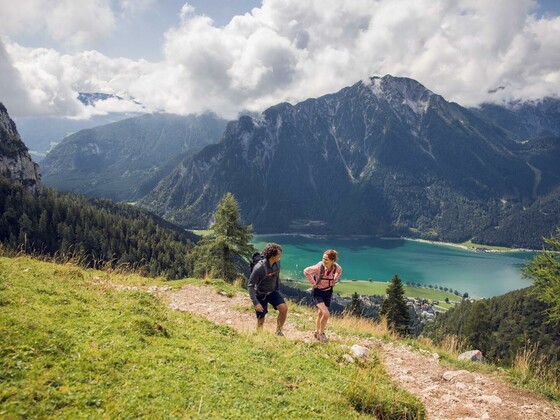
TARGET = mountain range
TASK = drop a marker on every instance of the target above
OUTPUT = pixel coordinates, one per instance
(126, 159)
(381, 157)
(385, 156)
(526, 119)
(42, 133)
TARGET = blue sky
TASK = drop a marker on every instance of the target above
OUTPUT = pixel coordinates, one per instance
(150, 31)
(140, 34)
(551, 7)
(236, 55)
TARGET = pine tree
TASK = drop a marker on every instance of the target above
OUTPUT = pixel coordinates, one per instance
(394, 307)
(224, 255)
(478, 326)
(544, 270)
(63, 223)
(355, 307)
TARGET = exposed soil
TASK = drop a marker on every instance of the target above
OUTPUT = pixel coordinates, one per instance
(446, 392)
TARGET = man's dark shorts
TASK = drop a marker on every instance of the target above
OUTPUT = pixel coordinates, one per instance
(275, 299)
(322, 296)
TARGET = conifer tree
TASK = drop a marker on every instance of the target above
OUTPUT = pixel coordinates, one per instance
(544, 270)
(53, 223)
(394, 307)
(478, 326)
(224, 255)
(355, 306)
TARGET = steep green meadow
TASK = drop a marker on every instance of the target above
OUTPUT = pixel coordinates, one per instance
(89, 344)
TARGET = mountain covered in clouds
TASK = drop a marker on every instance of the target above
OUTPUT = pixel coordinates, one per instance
(41, 134)
(526, 119)
(15, 161)
(126, 159)
(88, 98)
(383, 157)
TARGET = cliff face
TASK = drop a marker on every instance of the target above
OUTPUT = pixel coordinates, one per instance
(15, 161)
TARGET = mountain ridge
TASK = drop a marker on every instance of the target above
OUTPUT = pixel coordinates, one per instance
(121, 159)
(398, 157)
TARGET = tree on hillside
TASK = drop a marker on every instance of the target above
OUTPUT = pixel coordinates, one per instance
(224, 255)
(355, 306)
(502, 327)
(394, 307)
(97, 231)
(544, 270)
(478, 327)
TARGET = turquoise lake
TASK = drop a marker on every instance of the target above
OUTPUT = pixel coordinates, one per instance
(480, 274)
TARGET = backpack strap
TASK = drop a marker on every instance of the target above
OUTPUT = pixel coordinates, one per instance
(330, 280)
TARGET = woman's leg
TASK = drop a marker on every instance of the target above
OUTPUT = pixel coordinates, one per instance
(322, 317)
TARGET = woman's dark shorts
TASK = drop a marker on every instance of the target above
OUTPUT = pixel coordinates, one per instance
(275, 299)
(322, 296)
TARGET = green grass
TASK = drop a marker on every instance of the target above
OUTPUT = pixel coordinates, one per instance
(73, 346)
(496, 248)
(347, 288)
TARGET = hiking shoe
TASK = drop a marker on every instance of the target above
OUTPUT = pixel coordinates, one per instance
(320, 336)
(324, 337)
(279, 333)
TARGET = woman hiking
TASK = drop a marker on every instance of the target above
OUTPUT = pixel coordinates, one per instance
(323, 277)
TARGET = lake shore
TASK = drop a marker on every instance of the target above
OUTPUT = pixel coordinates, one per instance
(480, 248)
(477, 248)
(367, 257)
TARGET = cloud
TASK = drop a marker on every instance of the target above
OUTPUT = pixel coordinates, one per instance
(12, 87)
(136, 6)
(52, 80)
(26, 16)
(80, 22)
(71, 22)
(290, 50)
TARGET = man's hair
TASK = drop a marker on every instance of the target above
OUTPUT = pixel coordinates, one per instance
(332, 254)
(271, 250)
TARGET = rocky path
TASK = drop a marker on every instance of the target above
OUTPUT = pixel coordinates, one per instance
(447, 393)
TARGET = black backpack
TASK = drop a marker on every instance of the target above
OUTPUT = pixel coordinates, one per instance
(255, 259)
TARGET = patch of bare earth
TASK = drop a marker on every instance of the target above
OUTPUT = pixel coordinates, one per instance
(447, 393)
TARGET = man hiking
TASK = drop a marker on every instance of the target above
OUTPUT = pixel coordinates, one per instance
(264, 284)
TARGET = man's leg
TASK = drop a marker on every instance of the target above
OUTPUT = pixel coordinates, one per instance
(278, 303)
(261, 315)
(282, 315)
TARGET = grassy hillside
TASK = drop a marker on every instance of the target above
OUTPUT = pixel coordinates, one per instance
(83, 344)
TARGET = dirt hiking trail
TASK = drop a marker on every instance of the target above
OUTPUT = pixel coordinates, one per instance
(446, 392)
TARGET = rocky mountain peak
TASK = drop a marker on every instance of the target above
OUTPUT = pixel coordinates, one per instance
(7, 125)
(388, 151)
(402, 92)
(15, 162)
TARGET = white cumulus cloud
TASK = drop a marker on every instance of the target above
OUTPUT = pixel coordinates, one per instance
(469, 51)
(71, 22)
